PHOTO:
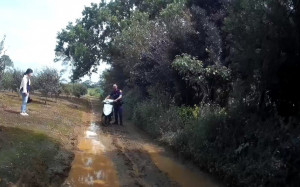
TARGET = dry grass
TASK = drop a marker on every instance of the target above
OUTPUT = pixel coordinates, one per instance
(59, 119)
(37, 149)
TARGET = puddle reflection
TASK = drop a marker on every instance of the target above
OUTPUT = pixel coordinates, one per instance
(90, 167)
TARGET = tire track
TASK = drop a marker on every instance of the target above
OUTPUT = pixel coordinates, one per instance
(138, 160)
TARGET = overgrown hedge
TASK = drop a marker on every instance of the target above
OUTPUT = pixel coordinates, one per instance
(235, 145)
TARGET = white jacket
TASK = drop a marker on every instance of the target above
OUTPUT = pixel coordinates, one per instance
(24, 83)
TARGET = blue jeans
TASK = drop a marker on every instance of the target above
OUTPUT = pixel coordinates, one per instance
(24, 102)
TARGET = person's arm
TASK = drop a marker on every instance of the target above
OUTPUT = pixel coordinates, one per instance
(107, 97)
(25, 85)
(120, 97)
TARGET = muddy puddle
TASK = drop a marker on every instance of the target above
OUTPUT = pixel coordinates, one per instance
(178, 172)
(125, 166)
(91, 167)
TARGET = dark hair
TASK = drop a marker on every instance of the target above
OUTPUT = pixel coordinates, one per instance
(28, 71)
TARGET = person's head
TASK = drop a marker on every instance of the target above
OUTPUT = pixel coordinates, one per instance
(29, 72)
(115, 86)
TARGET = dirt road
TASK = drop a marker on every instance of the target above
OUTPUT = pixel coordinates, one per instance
(124, 156)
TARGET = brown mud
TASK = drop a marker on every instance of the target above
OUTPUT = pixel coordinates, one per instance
(124, 156)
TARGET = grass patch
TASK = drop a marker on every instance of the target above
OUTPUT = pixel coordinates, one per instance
(37, 150)
(57, 119)
(31, 158)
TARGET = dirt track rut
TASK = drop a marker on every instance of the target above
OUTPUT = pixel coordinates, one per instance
(134, 158)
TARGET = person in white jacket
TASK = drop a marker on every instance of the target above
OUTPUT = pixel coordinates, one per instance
(24, 90)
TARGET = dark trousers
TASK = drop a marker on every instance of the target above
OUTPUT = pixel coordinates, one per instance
(118, 110)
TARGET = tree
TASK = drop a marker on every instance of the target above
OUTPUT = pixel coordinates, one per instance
(48, 82)
(7, 80)
(141, 51)
(211, 83)
(79, 90)
(67, 89)
(240, 58)
(88, 83)
(144, 51)
(17, 78)
(12, 80)
(34, 83)
(88, 42)
(264, 50)
(5, 60)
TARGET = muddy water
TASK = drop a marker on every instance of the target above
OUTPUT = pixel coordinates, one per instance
(178, 172)
(90, 166)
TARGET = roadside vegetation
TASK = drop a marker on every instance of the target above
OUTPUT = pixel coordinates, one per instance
(46, 81)
(95, 92)
(215, 80)
(38, 150)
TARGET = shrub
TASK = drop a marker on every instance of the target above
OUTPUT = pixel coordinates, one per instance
(95, 92)
(240, 147)
(130, 100)
(167, 123)
(67, 89)
(79, 90)
(236, 145)
(7, 81)
(198, 129)
(12, 79)
(48, 82)
(145, 116)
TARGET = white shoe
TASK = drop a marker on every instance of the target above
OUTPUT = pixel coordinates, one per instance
(24, 114)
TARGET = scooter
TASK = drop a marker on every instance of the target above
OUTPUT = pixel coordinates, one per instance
(107, 111)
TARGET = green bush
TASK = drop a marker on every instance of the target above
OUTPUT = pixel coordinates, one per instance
(130, 100)
(237, 145)
(95, 92)
(145, 116)
(241, 148)
(11, 80)
(6, 81)
(167, 124)
(79, 90)
(255, 151)
(67, 89)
